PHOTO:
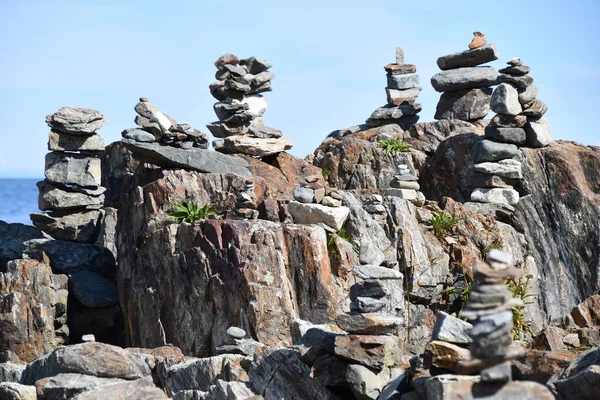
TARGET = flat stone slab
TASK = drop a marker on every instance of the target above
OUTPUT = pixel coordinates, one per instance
(464, 78)
(368, 324)
(403, 81)
(375, 272)
(92, 290)
(333, 217)
(77, 121)
(53, 197)
(451, 329)
(466, 105)
(505, 135)
(195, 159)
(505, 168)
(252, 146)
(469, 58)
(73, 169)
(487, 150)
(495, 195)
(59, 141)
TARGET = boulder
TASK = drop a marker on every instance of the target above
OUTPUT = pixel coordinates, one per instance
(333, 217)
(505, 135)
(96, 359)
(252, 146)
(505, 100)
(451, 329)
(73, 169)
(12, 239)
(538, 133)
(195, 159)
(76, 121)
(79, 227)
(92, 290)
(375, 352)
(464, 78)
(369, 323)
(58, 197)
(69, 385)
(139, 389)
(528, 94)
(466, 105)
(581, 379)
(469, 58)
(16, 391)
(495, 195)
(489, 151)
(60, 141)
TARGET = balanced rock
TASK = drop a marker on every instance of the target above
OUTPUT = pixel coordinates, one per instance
(374, 352)
(505, 100)
(73, 169)
(478, 41)
(495, 195)
(505, 135)
(369, 323)
(80, 227)
(469, 58)
(508, 121)
(538, 133)
(60, 141)
(504, 168)
(92, 290)
(403, 82)
(58, 197)
(528, 94)
(76, 121)
(464, 78)
(334, 217)
(466, 105)
(486, 150)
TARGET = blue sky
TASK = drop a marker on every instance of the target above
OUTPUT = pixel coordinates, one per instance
(328, 58)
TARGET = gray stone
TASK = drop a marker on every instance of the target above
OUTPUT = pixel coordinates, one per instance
(235, 69)
(331, 202)
(263, 77)
(538, 133)
(196, 159)
(499, 256)
(92, 290)
(505, 100)
(395, 112)
(333, 217)
(464, 78)
(469, 58)
(370, 253)
(406, 194)
(515, 70)
(508, 121)
(495, 195)
(504, 168)
(246, 347)
(443, 387)
(451, 329)
(231, 390)
(153, 114)
(403, 82)
(363, 382)
(535, 109)
(505, 135)
(222, 130)
(478, 179)
(139, 389)
(466, 105)
(519, 82)
(253, 146)
(225, 109)
(581, 379)
(375, 272)
(397, 97)
(528, 94)
(96, 359)
(255, 65)
(399, 56)
(147, 126)
(367, 305)
(10, 372)
(73, 169)
(138, 135)
(304, 194)
(60, 141)
(404, 184)
(236, 333)
(486, 150)
(16, 391)
(408, 177)
(80, 227)
(368, 288)
(498, 211)
(227, 59)
(572, 339)
(375, 352)
(69, 385)
(88, 338)
(55, 197)
(261, 131)
(77, 121)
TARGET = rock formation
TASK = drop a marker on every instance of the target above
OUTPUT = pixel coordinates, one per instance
(406, 186)
(465, 83)
(71, 191)
(240, 108)
(403, 88)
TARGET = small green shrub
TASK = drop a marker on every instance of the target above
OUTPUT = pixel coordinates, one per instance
(395, 145)
(326, 173)
(342, 234)
(520, 290)
(191, 212)
(442, 223)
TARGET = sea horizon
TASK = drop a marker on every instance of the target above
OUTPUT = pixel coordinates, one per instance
(18, 199)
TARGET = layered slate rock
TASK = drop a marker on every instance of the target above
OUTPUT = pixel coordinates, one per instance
(403, 88)
(465, 83)
(240, 107)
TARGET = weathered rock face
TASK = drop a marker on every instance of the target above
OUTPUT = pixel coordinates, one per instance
(33, 303)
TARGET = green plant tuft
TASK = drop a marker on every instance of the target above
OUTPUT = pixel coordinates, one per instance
(494, 244)
(342, 234)
(442, 223)
(395, 145)
(520, 290)
(326, 173)
(191, 212)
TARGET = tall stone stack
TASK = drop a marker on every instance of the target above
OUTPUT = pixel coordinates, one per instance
(464, 83)
(403, 88)
(240, 128)
(71, 193)
(489, 311)
(532, 109)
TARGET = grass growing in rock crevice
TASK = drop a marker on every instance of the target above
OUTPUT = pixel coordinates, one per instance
(188, 211)
(520, 289)
(395, 145)
(443, 223)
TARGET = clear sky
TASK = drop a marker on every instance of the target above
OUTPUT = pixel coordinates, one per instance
(328, 58)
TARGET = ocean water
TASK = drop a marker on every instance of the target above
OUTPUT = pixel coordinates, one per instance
(18, 199)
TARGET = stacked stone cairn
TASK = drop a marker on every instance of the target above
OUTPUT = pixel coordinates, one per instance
(156, 126)
(318, 206)
(510, 123)
(246, 203)
(240, 128)
(465, 84)
(490, 312)
(405, 185)
(403, 88)
(71, 193)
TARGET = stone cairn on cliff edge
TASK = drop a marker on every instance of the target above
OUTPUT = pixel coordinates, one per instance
(490, 312)
(246, 202)
(156, 126)
(405, 185)
(240, 128)
(71, 192)
(403, 88)
(464, 83)
(318, 205)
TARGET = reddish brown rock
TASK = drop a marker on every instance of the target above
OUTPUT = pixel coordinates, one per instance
(444, 355)
(550, 339)
(478, 41)
(539, 366)
(371, 351)
(587, 313)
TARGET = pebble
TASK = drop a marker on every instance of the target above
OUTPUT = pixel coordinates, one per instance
(236, 333)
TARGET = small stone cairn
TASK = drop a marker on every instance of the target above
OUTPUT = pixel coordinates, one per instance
(246, 203)
(405, 185)
(403, 88)
(156, 126)
(71, 192)
(490, 312)
(240, 128)
(464, 83)
(318, 205)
